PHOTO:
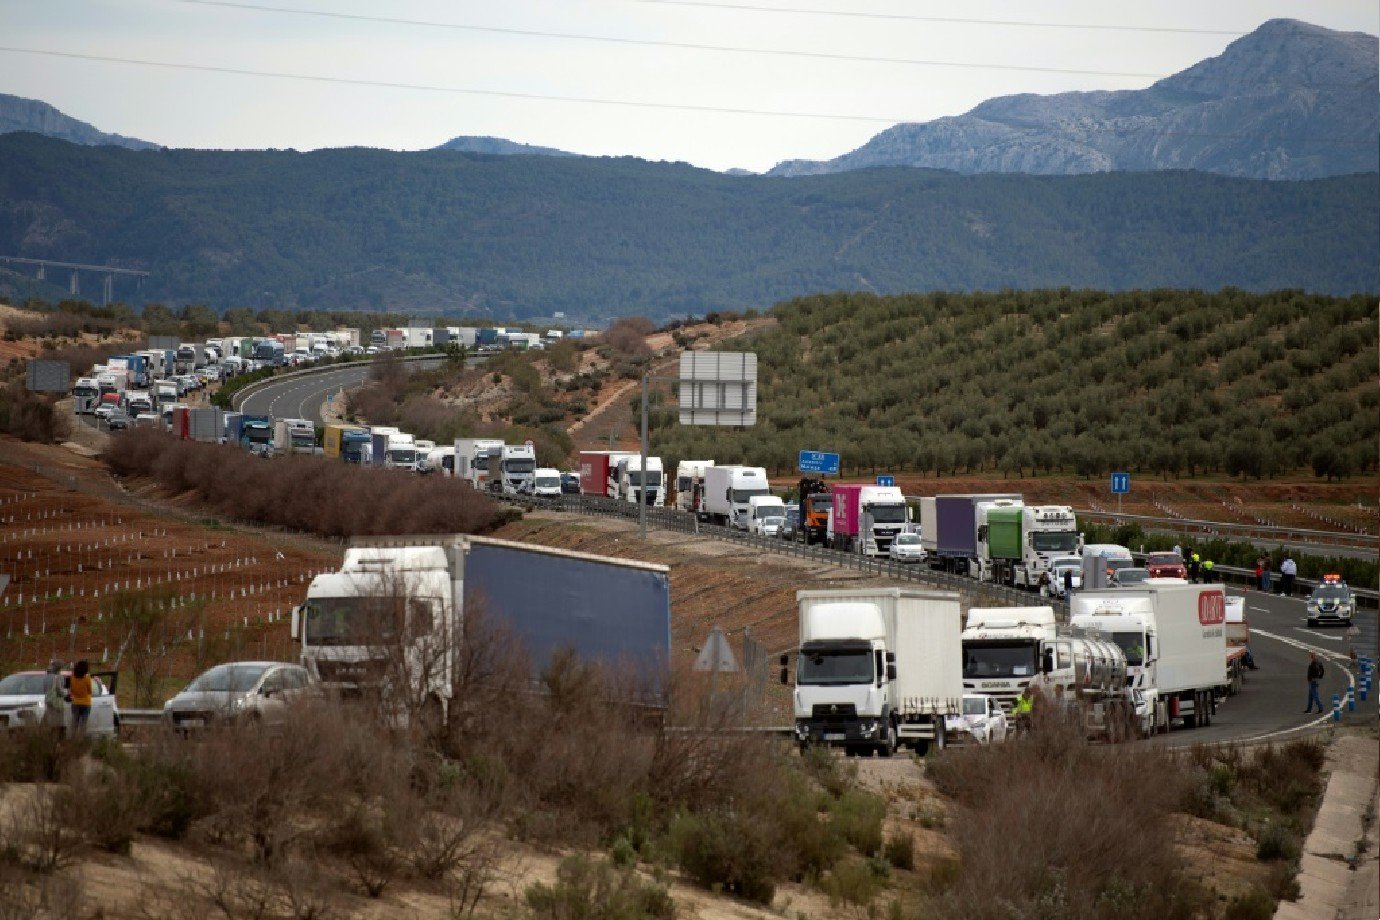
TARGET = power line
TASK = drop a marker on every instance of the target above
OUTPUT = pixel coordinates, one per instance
(591, 100)
(909, 17)
(431, 88)
(657, 43)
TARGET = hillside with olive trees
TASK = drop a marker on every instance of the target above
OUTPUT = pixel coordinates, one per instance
(1175, 383)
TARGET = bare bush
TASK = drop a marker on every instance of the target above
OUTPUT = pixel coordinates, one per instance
(1042, 824)
(628, 336)
(147, 620)
(314, 494)
(32, 416)
(44, 831)
(26, 895)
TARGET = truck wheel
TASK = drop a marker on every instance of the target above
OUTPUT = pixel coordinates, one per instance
(888, 745)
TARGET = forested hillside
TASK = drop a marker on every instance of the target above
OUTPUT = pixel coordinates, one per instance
(1168, 382)
(520, 237)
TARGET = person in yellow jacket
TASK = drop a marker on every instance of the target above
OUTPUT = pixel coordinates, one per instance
(1207, 572)
(79, 692)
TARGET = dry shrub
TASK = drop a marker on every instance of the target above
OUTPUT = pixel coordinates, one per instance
(587, 889)
(32, 416)
(314, 494)
(43, 831)
(1042, 826)
(26, 895)
(628, 336)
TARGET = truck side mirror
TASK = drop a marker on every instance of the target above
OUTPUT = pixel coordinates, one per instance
(785, 659)
(891, 671)
(785, 675)
(890, 657)
(1048, 663)
(296, 621)
(982, 533)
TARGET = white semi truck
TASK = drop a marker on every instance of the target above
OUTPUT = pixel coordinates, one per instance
(1174, 639)
(86, 396)
(690, 484)
(633, 486)
(517, 467)
(294, 436)
(1023, 544)
(877, 668)
(728, 490)
(472, 460)
(392, 621)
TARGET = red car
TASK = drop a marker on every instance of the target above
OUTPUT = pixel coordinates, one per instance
(1166, 565)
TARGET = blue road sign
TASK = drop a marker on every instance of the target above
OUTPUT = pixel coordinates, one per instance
(886, 480)
(1121, 483)
(815, 461)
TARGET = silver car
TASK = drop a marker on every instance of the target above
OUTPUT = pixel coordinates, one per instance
(907, 548)
(23, 703)
(248, 690)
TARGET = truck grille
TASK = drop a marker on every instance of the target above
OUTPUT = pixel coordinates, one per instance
(350, 672)
(834, 712)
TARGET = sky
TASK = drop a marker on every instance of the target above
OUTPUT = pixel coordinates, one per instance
(811, 79)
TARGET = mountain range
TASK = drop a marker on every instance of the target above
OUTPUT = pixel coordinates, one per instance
(1288, 101)
(20, 114)
(525, 236)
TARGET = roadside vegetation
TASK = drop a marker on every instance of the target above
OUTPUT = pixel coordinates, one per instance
(1170, 383)
(305, 493)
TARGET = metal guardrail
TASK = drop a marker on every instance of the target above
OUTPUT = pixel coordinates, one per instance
(686, 522)
(141, 716)
(1226, 528)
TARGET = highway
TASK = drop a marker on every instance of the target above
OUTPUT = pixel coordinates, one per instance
(1272, 699)
(304, 397)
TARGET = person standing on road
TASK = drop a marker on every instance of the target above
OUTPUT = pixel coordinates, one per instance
(1265, 574)
(1068, 583)
(1259, 573)
(1193, 563)
(54, 697)
(79, 692)
(1207, 572)
(1315, 675)
(1288, 570)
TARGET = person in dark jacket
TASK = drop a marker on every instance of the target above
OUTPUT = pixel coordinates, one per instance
(1315, 675)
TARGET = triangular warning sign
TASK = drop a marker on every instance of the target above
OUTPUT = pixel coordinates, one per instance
(717, 654)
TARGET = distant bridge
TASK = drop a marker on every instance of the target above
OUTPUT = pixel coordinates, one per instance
(107, 273)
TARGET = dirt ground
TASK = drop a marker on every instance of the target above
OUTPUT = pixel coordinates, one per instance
(71, 540)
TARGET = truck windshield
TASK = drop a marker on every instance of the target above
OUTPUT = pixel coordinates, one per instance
(1054, 541)
(1012, 660)
(742, 496)
(888, 514)
(85, 391)
(258, 434)
(548, 482)
(835, 666)
(402, 455)
(519, 466)
(347, 621)
(821, 502)
(1133, 644)
(304, 440)
(653, 478)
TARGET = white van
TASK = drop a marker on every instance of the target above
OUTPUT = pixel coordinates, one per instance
(546, 482)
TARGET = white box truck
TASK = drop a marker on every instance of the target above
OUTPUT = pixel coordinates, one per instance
(877, 667)
(1174, 639)
(766, 515)
(294, 436)
(729, 489)
(517, 467)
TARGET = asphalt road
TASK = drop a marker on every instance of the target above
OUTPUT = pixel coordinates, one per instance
(303, 397)
(1272, 699)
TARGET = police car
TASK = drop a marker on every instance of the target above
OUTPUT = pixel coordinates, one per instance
(1331, 602)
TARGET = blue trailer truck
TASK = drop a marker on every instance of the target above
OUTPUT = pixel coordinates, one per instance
(616, 612)
(256, 433)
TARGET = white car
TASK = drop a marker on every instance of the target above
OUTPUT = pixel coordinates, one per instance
(982, 721)
(106, 410)
(768, 526)
(250, 690)
(907, 548)
(1061, 564)
(22, 703)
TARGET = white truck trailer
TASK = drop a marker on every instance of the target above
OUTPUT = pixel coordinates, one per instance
(1174, 639)
(877, 668)
(392, 621)
(728, 490)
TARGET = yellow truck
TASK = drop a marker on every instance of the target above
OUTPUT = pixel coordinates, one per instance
(347, 442)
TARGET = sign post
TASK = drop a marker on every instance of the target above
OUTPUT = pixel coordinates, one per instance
(1121, 484)
(886, 480)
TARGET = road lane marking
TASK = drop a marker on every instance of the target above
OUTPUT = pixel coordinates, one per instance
(1259, 609)
(1319, 635)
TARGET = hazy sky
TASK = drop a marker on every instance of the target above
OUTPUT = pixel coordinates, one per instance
(188, 108)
